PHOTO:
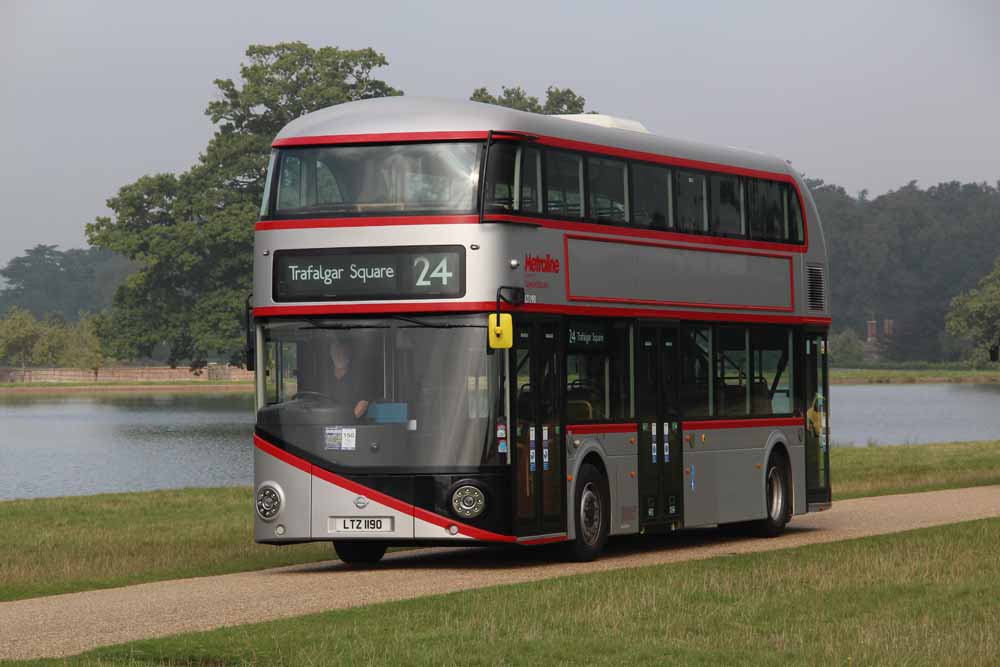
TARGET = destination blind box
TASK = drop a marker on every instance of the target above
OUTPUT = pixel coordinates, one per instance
(369, 274)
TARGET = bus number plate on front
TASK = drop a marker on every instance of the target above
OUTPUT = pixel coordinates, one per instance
(375, 524)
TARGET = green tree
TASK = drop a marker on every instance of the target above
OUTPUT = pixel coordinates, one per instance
(49, 281)
(975, 315)
(846, 349)
(557, 100)
(83, 348)
(191, 235)
(54, 335)
(19, 333)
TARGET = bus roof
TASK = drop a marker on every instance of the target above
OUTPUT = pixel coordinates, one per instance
(405, 114)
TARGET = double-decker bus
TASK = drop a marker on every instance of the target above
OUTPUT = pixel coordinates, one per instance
(474, 325)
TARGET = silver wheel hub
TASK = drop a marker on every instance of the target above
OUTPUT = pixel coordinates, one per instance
(775, 495)
(591, 514)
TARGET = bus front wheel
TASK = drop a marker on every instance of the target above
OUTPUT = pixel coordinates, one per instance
(592, 514)
(359, 553)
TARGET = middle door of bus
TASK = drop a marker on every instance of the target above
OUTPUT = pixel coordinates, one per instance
(660, 466)
(539, 454)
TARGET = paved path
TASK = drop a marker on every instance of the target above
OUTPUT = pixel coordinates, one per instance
(63, 625)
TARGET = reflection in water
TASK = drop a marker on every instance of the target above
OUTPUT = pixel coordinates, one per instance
(70, 445)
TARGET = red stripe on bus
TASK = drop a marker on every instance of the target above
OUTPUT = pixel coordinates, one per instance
(590, 429)
(377, 496)
(543, 540)
(378, 138)
(281, 454)
(641, 232)
(684, 304)
(431, 307)
(387, 221)
(741, 423)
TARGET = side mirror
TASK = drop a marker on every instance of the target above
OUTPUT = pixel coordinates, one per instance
(250, 348)
(501, 331)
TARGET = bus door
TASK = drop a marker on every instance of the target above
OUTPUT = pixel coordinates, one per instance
(817, 411)
(538, 459)
(660, 469)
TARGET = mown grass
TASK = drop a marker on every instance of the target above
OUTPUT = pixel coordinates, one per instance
(925, 597)
(61, 545)
(879, 471)
(913, 376)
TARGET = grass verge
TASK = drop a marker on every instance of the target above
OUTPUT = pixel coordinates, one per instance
(879, 471)
(61, 545)
(912, 376)
(916, 598)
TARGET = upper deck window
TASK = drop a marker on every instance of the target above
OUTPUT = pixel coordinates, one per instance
(651, 196)
(607, 190)
(335, 181)
(563, 184)
(691, 203)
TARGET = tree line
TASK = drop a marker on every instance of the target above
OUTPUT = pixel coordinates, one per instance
(185, 240)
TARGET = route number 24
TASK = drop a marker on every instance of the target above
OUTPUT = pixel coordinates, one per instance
(440, 271)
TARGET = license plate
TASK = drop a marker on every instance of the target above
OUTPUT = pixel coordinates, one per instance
(374, 524)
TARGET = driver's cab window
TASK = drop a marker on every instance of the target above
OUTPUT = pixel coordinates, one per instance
(597, 374)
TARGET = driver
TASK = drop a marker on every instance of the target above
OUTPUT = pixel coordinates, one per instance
(345, 384)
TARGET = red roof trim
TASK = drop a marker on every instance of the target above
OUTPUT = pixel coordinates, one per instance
(381, 221)
(379, 138)
(489, 306)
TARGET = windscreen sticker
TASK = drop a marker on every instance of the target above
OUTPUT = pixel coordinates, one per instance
(341, 439)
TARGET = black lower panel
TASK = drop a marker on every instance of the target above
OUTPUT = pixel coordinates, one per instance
(433, 493)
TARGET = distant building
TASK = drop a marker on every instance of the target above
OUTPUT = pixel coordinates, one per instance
(875, 343)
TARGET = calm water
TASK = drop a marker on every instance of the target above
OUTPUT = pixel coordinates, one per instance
(68, 445)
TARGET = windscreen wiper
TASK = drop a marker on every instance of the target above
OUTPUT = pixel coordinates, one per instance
(428, 325)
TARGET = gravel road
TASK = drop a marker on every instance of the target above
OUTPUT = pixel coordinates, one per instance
(63, 625)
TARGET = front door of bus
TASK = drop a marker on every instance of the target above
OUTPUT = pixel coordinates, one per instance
(816, 388)
(660, 472)
(538, 439)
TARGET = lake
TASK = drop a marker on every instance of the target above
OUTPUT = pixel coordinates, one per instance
(77, 444)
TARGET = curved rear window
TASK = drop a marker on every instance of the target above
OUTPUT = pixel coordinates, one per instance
(392, 179)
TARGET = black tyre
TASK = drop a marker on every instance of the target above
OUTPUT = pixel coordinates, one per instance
(592, 514)
(777, 497)
(359, 553)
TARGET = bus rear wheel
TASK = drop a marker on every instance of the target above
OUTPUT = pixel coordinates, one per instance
(359, 553)
(777, 497)
(592, 514)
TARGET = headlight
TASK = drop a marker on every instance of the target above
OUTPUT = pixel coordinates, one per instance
(468, 501)
(268, 502)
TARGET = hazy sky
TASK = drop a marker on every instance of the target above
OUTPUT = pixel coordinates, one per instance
(866, 95)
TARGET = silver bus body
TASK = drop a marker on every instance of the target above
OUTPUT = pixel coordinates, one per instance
(645, 279)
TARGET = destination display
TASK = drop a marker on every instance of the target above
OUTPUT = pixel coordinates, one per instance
(365, 274)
